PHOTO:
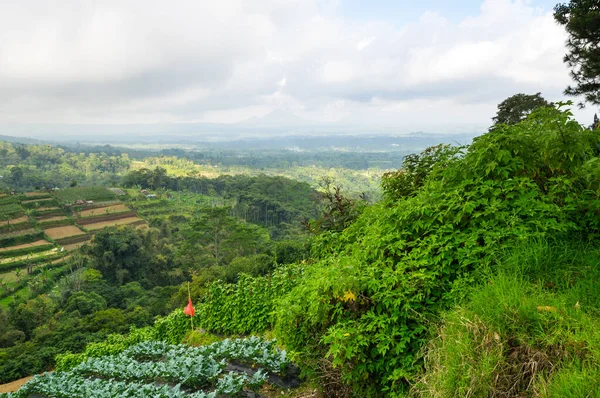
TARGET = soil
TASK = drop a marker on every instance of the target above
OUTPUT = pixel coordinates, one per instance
(15, 221)
(103, 211)
(63, 232)
(24, 245)
(122, 221)
(14, 385)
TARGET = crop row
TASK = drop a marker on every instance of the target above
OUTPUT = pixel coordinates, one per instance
(67, 385)
(253, 350)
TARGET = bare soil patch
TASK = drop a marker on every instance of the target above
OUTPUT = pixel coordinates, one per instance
(101, 211)
(14, 385)
(55, 218)
(47, 208)
(40, 242)
(122, 221)
(63, 232)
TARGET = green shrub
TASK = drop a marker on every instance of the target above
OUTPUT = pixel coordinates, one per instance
(67, 361)
(247, 306)
(173, 327)
(368, 304)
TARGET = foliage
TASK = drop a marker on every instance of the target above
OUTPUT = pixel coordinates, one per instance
(368, 304)
(338, 210)
(192, 367)
(516, 108)
(247, 306)
(125, 254)
(20, 237)
(523, 330)
(10, 211)
(416, 169)
(72, 194)
(26, 250)
(581, 18)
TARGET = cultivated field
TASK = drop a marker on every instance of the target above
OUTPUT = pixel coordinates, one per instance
(15, 221)
(122, 221)
(63, 232)
(70, 195)
(36, 194)
(37, 200)
(55, 218)
(28, 257)
(47, 208)
(40, 242)
(100, 211)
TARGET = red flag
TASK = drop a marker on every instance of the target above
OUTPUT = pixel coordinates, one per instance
(189, 310)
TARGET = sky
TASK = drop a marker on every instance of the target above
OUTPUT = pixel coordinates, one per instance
(395, 66)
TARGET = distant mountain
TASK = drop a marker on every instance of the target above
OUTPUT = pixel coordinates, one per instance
(20, 140)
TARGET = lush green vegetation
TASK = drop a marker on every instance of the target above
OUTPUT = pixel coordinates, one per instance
(71, 195)
(473, 276)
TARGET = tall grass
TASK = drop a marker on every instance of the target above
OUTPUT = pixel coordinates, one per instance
(530, 329)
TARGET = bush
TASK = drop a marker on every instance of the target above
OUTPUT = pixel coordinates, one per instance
(368, 303)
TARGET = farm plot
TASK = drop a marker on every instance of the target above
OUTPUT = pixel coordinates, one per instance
(19, 220)
(47, 208)
(37, 200)
(63, 232)
(40, 242)
(111, 223)
(71, 195)
(53, 218)
(36, 194)
(156, 369)
(100, 211)
(8, 262)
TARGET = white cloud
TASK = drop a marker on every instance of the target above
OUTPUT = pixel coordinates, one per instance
(224, 61)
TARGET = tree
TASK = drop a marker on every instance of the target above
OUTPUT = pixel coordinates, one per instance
(16, 175)
(516, 108)
(581, 18)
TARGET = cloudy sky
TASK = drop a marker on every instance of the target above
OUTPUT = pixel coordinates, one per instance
(399, 63)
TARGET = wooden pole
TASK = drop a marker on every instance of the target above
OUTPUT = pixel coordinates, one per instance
(189, 299)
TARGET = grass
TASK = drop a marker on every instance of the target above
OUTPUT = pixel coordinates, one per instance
(531, 329)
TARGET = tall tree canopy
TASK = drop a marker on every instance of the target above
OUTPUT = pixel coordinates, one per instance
(516, 108)
(581, 18)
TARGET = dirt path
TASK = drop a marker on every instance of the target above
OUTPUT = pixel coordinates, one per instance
(14, 385)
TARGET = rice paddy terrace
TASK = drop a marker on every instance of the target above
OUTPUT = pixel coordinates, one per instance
(38, 230)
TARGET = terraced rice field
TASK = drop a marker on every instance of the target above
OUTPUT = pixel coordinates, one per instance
(37, 200)
(40, 242)
(55, 218)
(15, 221)
(101, 211)
(122, 221)
(29, 256)
(63, 232)
(30, 194)
(47, 208)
